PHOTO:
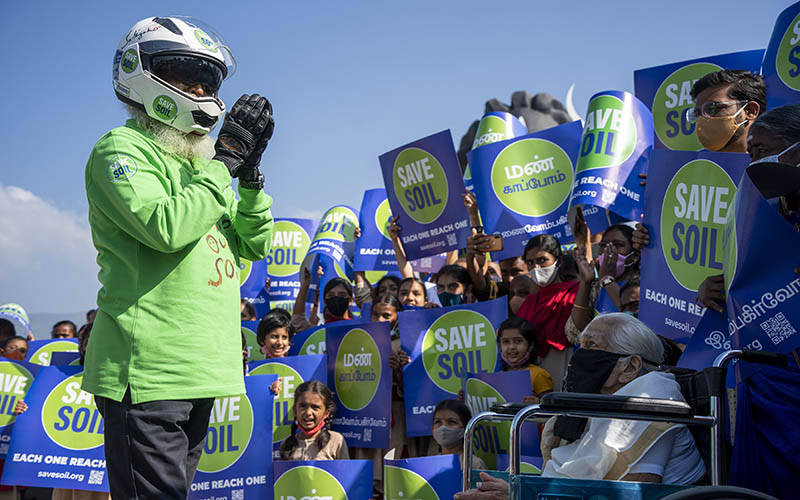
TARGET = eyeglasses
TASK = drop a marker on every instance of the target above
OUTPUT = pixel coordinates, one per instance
(709, 109)
(23, 350)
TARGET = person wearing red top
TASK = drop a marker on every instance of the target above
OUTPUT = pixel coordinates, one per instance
(550, 307)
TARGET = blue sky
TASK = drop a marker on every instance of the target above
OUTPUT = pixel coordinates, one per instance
(348, 82)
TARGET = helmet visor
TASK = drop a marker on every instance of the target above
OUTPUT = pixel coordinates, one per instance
(230, 62)
(188, 70)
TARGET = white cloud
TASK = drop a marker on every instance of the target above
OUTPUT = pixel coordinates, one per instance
(47, 261)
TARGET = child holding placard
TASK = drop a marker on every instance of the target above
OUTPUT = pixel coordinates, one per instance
(313, 409)
(517, 341)
(274, 335)
(450, 418)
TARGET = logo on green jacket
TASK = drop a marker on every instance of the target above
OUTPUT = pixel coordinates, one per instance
(290, 243)
(165, 108)
(358, 369)
(121, 167)
(672, 99)
(383, 218)
(457, 343)
(284, 402)
(308, 483)
(42, 355)
(314, 344)
(693, 216)
(404, 484)
(229, 431)
(609, 134)
(15, 381)
(70, 418)
(420, 184)
(532, 177)
(339, 223)
(787, 62)
(130, 61)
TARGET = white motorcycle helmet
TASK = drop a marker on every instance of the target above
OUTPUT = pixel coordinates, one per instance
(158, 55)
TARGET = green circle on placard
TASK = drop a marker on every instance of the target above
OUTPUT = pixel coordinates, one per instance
(130, 61)
(16, 382)
(205, 40)
(290, 379)
(607, 114)
(253, 349)
(229, 431)
(480, 396)
(70, 417)
(164, 107)
(358, 369)
(789, 71)
(491, 129)
(532, 177)
(670, 103)
(42, 355)
(375, 276)
(339, 223)
(699, 197)
(308, 482)
(383, 218)
(315, 342)
(404, 484)
(457, 343)
(245, 267)
(420, 185)
(290, 243)
(467, 174)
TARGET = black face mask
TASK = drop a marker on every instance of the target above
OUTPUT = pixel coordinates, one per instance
(337, 305)
(587, 372)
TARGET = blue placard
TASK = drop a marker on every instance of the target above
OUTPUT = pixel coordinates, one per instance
(323, 479)
(688, 199)
(334, 239)
(58, 442)
(762, 309)
(523, 185)
(65, 358)
(310, 341)
(290, 241)
(495, 126)
(426, 477)
(293, 371)
(16, 378)
(39, 351)
(445, 344)
(374, 250)
(617, 136)
(781, 65)
(424, 184)
(253, 278)
(666, 91)
(250, 332)
(361, 380)
(235, 461)
(481, 391)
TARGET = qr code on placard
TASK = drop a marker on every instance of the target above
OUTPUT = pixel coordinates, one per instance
(608, 196)
(96, 476)
(237, 494)
(367, 435)
(778, 328)
(451, 239)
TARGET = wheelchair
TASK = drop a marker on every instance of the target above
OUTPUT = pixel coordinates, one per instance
(705, 389)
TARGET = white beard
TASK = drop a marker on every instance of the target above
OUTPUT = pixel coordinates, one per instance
(172, 140)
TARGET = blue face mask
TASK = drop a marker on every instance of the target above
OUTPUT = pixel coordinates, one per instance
(451, 299)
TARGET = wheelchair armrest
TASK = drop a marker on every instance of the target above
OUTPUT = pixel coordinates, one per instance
(609, 403)
(508, 408)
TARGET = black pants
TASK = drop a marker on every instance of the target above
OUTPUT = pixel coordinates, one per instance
(152, 449)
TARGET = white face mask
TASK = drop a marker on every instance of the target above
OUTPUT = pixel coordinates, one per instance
(774, 158)
(448, 437)
(543, 276)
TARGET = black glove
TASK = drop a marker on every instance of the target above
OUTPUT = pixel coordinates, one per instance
(241, 131)
(249, 175)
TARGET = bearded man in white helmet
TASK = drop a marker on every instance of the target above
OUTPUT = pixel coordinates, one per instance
(170, 234)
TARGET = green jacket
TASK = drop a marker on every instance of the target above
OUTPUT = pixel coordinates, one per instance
(168, 234)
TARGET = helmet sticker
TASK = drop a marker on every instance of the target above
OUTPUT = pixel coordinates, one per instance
(130, 61)
(165, 107)
(205, 40)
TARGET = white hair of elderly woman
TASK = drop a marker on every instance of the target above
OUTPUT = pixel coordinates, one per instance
(625, 334)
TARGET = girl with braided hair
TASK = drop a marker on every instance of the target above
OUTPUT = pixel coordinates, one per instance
(313, 413)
